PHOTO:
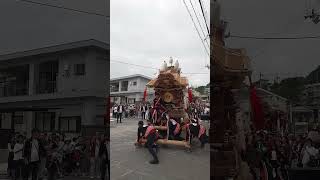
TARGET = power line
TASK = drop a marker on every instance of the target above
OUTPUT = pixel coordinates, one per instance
(275, 38)
(205, 47)
(204, 34)
(121, 62)
(205, 19)
(195, 13)
(65, 8)
(131, 64)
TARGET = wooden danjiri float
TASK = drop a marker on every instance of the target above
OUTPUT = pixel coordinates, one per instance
(170, 104)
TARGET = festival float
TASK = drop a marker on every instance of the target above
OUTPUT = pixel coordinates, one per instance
(170, 104)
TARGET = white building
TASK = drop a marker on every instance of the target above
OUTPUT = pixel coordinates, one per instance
(274, 101)
(302, 118)
(58, 88)
(130, 89)
(311, 99)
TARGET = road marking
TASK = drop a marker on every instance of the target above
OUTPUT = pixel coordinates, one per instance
(126, 173)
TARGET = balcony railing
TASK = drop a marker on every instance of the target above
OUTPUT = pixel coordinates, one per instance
(47, 87)
(14, 90)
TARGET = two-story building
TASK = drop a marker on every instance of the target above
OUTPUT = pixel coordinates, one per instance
(311, 98)
(303, 120)
(130, 89)
(58, 88)
(275, 107)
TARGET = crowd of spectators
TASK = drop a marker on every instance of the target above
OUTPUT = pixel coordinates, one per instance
(272, 155)
(54, 156)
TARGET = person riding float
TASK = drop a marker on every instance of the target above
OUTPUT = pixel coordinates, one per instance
(157, 110)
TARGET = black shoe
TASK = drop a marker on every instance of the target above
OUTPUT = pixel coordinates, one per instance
(202, 145)
(155, 161)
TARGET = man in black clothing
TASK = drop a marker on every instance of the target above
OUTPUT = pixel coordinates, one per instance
(150, 134)
(33, 150)
(198, 131)
(119, 110)
(174, 130)
(104, 155)
(141, 130)
(143, 111)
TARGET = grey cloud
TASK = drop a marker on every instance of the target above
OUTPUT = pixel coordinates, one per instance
(148, 32)
(27, 26)
(274, 18)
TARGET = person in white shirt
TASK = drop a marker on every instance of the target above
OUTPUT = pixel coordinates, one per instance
(147, 112)
(119, 110)
(18, 158)
(67, 149)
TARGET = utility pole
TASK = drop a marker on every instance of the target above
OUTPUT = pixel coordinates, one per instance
(226, 80)
(223, 156)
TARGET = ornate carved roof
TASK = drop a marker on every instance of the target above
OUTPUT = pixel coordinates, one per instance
(169, 78)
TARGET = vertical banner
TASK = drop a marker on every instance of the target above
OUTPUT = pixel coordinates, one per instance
(256, 106)
(145, 95)
(190, 94)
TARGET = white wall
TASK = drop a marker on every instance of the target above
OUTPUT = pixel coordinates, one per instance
(68, 83)
(95, 76)
(141, 84)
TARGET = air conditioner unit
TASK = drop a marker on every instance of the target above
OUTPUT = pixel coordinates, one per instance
(66, 67)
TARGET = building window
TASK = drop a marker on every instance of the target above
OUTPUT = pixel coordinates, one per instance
(17, 117)
(114, 87)
(79, 69)
(14, 81)
(124, 85)
(131, 100)
(47, 82)
(45, 121)
(134, 83)
(70, 124)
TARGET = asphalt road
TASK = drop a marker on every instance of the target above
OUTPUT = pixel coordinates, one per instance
(131, 163)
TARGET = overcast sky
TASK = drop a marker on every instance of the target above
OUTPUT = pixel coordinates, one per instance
(274, 18)
(148, 32)
(26, 26)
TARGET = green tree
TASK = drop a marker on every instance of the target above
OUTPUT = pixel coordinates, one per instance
(201, 89)
(290, 88)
